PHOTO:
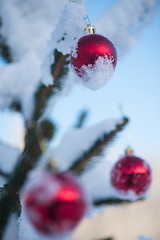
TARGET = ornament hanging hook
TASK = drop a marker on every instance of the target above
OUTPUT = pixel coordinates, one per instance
(129, 151)
(87, 20)
(89, 27)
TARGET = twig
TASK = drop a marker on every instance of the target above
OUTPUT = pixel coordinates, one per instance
(4, 48)
(79, 164)
(81, 119)
(43, 93)
(112, 201)
(30, 155)
(4, 174)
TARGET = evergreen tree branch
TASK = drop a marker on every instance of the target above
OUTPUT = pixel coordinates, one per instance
(4, 174)
(112, 201)
(43, 93)
(4, 48)
(81, 119)
(9, 200)
(29, 158)
(79, 165)
(110, 238)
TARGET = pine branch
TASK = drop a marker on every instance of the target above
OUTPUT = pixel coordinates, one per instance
(28, 160)
(112, 201)
(110, 238)
(10, 198)
(16, 105)
(4, 48)
(81, 119)
(4, 174)
(46, 130)
(97, 147)
(43, 93)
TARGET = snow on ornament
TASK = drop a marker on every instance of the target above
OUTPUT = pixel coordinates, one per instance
(94, 59)
(54, 203)
(131, 173)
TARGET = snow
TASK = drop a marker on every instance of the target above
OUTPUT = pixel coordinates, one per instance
(26, 230)
(70, 26)
(125, 22)
(27, 27)
(11, 232)
(37, 179)
(97, 178)
(96, 77)
(13, 130)
(77, 141)
(18, 81)
(8, 157)
(103, 188)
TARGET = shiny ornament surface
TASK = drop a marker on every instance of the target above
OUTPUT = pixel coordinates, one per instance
(54, 203)
(89, 48)
(131, 173)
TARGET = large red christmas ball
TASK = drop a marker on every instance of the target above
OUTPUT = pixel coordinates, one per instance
(131, 173)
(87, 51)
(54, 203)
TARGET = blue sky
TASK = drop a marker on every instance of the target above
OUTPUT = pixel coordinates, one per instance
(135, 86)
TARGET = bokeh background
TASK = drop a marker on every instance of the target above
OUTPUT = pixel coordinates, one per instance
(134, 91)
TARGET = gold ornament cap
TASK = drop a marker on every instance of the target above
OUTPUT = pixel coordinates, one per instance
(129, 151)
(90, 29)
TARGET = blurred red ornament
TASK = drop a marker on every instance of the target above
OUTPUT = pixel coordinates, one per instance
(89, 48)
(131, 173)
(54, 203)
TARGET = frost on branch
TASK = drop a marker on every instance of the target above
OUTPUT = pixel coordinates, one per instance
(70, 26)
(11, 231)
(25, 26)
(12, 129)
(97, 179)
(98, 183)
(54, 203)
(95, 77)
(77, 141)
(26, 230)
(8, 158)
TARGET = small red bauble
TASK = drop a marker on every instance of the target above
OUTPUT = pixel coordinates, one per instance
(54, 203)
(88, 50)
(131, 173)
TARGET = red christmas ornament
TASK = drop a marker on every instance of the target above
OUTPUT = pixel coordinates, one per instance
(54, 203)
(89, 48)
(131, 173)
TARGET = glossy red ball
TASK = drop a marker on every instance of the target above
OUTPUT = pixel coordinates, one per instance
(54, 203)
(131, 173)
(89, 48)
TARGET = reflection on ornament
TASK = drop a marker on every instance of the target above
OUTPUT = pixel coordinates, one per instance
(93, 53)
(131, 173)
(54, 203)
